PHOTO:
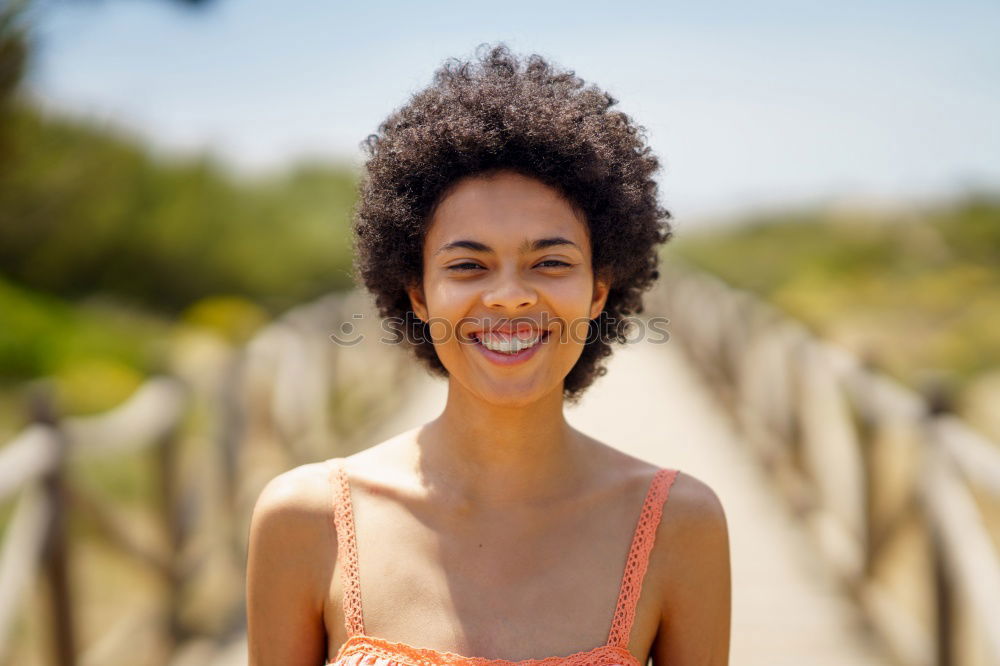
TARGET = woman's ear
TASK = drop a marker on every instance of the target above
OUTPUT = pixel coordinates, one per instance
(417, 302)
(602, 286)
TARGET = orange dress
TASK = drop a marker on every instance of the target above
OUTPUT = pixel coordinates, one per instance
(360, 649)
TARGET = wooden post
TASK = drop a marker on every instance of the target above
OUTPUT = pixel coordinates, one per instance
(868, 426)
(938, 401)
(56, 558)
(944, 625)
(170, 506)
(232, 429)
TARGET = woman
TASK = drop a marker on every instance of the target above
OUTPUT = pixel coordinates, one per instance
(508, 225)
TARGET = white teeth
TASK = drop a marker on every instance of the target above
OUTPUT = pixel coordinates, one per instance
(507, 345)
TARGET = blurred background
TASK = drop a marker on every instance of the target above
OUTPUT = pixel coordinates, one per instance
(176, 184)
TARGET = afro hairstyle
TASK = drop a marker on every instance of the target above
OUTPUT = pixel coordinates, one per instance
(500, 112)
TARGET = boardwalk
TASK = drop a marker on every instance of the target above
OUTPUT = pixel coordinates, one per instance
(786, 609)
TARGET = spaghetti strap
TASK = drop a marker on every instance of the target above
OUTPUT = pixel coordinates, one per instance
(347, 548)
(638, 557)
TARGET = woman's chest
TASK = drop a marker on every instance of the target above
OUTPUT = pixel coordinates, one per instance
(483, 586)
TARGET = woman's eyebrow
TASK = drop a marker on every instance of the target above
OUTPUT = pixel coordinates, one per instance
(527, 246)
(544, 243)
(475, 246)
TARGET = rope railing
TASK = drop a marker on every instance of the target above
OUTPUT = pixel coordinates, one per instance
(897, 495)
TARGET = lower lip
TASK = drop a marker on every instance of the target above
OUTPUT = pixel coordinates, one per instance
(511, 359)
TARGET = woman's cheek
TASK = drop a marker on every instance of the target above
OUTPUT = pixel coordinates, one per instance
(443, 297)
(448, 307)
(579, 330)
(441, 329)
(572, 303)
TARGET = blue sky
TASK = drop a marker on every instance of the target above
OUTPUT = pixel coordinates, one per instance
(749, 104)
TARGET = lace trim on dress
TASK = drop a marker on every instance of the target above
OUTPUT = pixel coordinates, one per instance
(401, 653)
(638, 557)
(347, 552)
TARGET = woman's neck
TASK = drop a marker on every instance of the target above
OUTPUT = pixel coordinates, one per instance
(490, 454)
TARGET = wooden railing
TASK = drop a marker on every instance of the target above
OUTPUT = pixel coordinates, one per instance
(33, 467)
(902, 497)
(226, 420)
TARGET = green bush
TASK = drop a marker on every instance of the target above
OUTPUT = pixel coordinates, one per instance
(41, 335)
(918, 293)
(85, 211)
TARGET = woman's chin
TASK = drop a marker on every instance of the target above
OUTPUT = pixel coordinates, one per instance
(512, 400)
(513, 393)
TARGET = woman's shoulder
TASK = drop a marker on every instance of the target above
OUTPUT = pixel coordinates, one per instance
(691, 503)
(694, 507)
(292, 548)
(692, 540)
(295, 508)
(302, 492)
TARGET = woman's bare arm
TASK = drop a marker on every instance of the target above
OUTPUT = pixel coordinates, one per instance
(292, 548)
(695, 580)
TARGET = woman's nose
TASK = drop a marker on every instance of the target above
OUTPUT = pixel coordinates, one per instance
(509, 291)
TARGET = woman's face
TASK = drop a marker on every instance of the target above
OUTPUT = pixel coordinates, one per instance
(508, 288)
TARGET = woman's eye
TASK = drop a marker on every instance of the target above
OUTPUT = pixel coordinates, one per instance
(465, 266)
(553, 263)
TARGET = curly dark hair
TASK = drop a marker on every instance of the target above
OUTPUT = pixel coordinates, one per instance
(497, 112)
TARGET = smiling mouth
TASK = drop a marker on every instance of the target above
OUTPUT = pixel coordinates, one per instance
(504, 343)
